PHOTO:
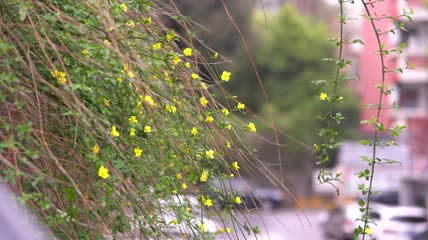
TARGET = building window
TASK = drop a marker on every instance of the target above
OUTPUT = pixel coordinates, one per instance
(407, 36)
(408, 96)
(415, 36)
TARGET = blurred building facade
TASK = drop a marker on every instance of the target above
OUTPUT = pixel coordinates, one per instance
(410, 87)
(313, 8)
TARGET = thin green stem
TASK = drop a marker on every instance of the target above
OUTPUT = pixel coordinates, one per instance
(379, 108)
(336, 82)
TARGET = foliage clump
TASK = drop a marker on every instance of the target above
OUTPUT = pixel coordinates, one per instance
(105, 122)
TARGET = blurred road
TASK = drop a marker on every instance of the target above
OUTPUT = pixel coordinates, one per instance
(283, 225)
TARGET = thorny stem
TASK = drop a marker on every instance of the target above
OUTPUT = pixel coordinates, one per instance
(379, 108)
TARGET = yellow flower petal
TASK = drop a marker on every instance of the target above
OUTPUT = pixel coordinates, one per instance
(103, 172)
(187, 52)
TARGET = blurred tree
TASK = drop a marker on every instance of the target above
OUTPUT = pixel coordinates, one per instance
(213, 25)
(288, 56)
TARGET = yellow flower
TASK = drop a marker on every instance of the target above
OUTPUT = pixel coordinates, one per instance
(174, 221)
(157, 46)
(130, 23)
(138, 152)
(149, 100)
(215, 55)
(209, 154)
(204, 86)
(187, 52)
(194, 131)
(231, 175)
(187, 64)
(170, 108)
(220, 230)
(133, 119)
(238, 200)
(103, 172)
(119, 79)
(228, 126)
(235, 166)
(179, 176)
(132, 132)
(228, 144)
(209, 119)
(228, 230)
(107, 42)
(176, 60)
(62, 81)
(240, 106)
(123, 7)
(194, 76)
(139, 105)
(184, 186)
(225, 111)
(131, 74)
(203, 101)
(170, 36)
(251, 127)
(85, 52)
(147, 129)
(203, 227)
(368, 230)
(96, 149)
(204, 176)
(323, 96)
(148, 21)
(60, 76)
(225, 76)
(114, 132)
(208, 202)
(106, 102)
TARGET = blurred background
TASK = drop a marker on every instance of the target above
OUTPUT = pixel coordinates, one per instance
(287, 40)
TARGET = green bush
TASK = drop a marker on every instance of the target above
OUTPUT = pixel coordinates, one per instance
(103, 120)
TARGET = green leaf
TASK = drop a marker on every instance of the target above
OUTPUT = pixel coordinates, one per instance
(361, 202)
(366, 142)
(358, 41)
(23, 11)
(256, 230)
(70, 193)
(403, 45)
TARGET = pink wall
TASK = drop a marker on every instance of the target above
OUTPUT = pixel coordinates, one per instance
(415, 3)
(418, 62)
(370, 65)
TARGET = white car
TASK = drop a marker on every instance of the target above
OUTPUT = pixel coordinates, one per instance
(399, 223)
(177, 231)
(391, 222)
(340, 222)
(168, 225)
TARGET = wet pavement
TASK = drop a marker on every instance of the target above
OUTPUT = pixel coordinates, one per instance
(290, 224)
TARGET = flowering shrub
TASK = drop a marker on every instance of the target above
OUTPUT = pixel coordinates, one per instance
(103, 119)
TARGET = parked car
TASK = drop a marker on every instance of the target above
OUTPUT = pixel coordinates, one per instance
(269, 197)
(251, 195)
(403, 222)
(341, 222)
(185, 229)
(391, 222)
(390, 198)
